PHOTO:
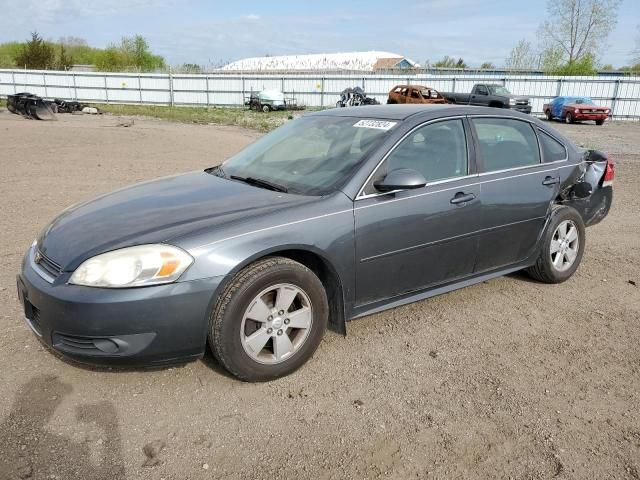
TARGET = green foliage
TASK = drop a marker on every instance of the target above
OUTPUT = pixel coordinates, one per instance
(62, 61)
(522, 57)
(188, 68)
(8, 53)
(36, 54)
(585, 65)
(487, 66)
(450, 62)
(132, 53)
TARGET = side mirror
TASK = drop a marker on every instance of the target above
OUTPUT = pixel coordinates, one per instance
(400, 179)
(582, 189)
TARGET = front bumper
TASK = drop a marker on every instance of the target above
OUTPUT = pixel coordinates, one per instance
(590, 116)
(145, 326)
(522, 108)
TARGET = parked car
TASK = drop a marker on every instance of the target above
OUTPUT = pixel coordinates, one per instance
(575, 109)
(333, 216)
(491, 95)
(355, 97)
(266, 100)
(414, 94)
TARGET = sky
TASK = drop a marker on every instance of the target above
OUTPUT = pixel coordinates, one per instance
(216, 32)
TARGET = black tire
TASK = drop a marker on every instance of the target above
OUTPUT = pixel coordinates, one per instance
(599, 122)
(266, 108)
(548, 114)
(568, 117)
(544, 270)
(391, 102)
(226, 318)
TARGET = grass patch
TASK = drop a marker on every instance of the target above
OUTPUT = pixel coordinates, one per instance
(240, 117)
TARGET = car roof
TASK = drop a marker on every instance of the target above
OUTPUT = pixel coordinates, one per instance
(424, 111)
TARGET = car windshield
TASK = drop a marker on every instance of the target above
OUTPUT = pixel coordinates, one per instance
(311, 156)
(585, 100)
(497, 90)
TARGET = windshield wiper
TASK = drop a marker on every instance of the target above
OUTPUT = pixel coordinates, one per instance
(260, 183)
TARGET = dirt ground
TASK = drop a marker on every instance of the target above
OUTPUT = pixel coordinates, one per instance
(506, 379)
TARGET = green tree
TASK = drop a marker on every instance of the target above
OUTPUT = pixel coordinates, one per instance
(63, 61)
(8, 53)
(188, 68)
(132, 53)
(36, 54)
(450, 62)
(487, 66)
(586, 65)
(522, 57)
(579, 28)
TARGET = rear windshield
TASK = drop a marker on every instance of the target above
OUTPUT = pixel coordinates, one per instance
(311, 156)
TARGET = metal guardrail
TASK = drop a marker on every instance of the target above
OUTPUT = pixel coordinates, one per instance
(621, 94)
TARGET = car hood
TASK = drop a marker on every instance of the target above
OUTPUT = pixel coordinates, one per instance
(585, 106)
(154, 212)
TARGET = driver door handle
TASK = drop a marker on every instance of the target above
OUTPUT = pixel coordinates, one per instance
(548, 181)
(462, 197)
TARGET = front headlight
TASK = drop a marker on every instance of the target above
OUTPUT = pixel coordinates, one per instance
(133, 267)
(512, 101)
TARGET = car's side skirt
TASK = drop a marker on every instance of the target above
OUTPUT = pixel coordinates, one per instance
(411, 297)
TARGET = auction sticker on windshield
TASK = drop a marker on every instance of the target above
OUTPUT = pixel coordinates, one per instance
(377, 124)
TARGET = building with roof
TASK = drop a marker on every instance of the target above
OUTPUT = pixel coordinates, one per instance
(324, 62)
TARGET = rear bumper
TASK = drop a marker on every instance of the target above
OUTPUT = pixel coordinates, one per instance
(147, 326)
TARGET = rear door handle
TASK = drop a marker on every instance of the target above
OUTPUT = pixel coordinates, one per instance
(462, 197)
(550, 180)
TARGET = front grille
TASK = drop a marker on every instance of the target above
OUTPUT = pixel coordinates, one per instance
(48, 265)
(522, 102)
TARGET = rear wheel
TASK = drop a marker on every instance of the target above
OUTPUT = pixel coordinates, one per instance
(548, 114)
(562, 247)
(569, 117)
(599, 122)
(269, 320)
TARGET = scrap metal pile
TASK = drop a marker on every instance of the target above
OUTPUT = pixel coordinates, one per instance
(34, 107)
(354, 97)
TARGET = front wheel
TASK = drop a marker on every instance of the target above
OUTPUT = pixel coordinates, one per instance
(266, 108)
(599, 122)
(548, 114)
(269, 320)
(562, 247)
(569, 117)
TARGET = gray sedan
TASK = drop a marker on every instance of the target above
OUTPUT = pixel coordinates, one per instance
(331, 217)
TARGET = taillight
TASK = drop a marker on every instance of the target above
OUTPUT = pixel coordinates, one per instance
(609, 173)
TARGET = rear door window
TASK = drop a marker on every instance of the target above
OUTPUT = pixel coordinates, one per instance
(552, 150)
(505, 143)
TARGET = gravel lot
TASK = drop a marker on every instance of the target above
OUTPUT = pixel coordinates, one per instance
(506, 379)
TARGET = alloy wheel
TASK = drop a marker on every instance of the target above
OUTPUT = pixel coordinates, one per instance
(565, 245)
(276, 323)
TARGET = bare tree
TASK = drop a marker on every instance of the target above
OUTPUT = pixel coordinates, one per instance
(579, 27)
(635, 55)
(522, 57)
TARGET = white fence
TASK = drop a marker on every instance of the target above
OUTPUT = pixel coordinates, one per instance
(621, 94)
